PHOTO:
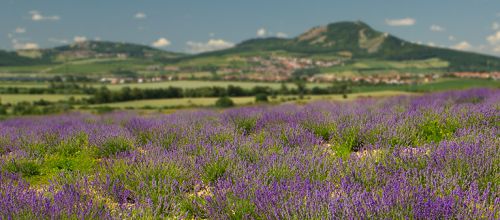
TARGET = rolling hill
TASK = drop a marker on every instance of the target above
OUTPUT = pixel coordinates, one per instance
(102, 49)
(342, 47)
(81, 51)
(357, 40)
(13, 59)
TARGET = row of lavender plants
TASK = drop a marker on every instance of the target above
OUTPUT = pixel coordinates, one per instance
(434, 156)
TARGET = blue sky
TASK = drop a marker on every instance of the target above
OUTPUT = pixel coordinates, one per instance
(196, 26)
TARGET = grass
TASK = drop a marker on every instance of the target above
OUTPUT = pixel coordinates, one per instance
(16, 98)
(24, 69)
(175, 102)
(438, 85)
(197, 84)
(383, 66)
(384, 90)
(99, 66)
(202, 102)
(5, 84)
(450, 84)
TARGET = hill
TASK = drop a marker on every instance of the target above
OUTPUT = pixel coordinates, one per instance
(13, 59)
(357, 40)
(83, 50)
(323, 53)
(103, 49)
(89, 57)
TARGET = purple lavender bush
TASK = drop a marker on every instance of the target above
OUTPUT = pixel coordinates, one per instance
(435, 156)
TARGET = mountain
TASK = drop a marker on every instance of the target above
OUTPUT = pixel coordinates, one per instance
(357, 40)
(344, 48)
(13, 59)
(100, 49)
(84, 50)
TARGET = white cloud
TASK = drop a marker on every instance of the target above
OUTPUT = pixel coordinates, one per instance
(437, 28)
(401, 22)
(162, 42)
(496, 49)
(451, 38)
(37, 16)
(211, 45)
(431, 44)
(464, 45)
(79, 39)
(495, 26)
(20, 30)
(494, 39)
(140, 15)
(24, 46)
(261, 32)
(281, 35)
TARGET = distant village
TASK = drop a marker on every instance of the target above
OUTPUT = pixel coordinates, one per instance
(280, 68)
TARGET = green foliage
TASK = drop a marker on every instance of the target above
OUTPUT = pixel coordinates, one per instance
(26, 168)
(73, 146)
(167, 141)
(221, 137)
(280, 172)
(435, 131)
(323, 130)
(248, 154)
(224, 102)
(304, 73)
(192, 206)
(81, 162)
(349, 142)
(114, 146)
(214, 170)
(261, 97)
(246, 124)
(239, 208)
(3, 110)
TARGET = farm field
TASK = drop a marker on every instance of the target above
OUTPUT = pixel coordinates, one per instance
(16, 98)
(432, 156)
(197, 84)
(378, 66)
(201, 102)
(438, 85)
(443, 84)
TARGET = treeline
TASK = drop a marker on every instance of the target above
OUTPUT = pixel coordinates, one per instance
(104, 95)
(53, 88)
(39, 107)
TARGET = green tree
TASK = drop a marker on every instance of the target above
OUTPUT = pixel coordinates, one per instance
(261, 97)
(301, 87)
(224, 102)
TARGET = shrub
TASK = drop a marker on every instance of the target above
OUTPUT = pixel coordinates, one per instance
(280, 172)
(114, 146)
(224, 102)
(24, 167)
(214, 170)
(261, 97)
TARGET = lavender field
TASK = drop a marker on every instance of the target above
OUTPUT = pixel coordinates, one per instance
(435, 156)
